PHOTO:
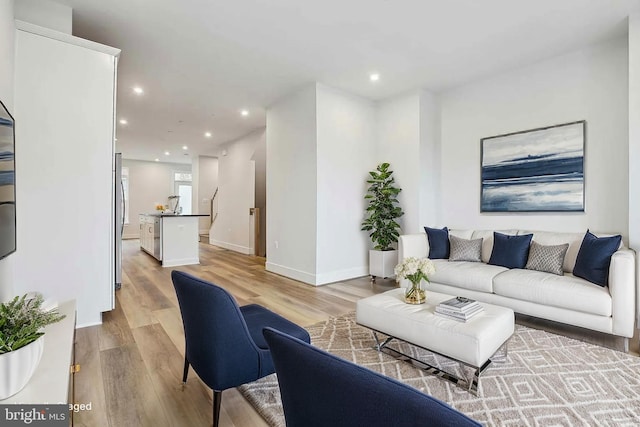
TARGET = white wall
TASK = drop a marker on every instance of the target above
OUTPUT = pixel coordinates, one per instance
(590, 84)
(398, 143)
(150, 183)
(207, 182)
(291, 185)
(7, 35)
(430, 212)
(236, 192)
(634, 138)
(346, 151)
(45, 13)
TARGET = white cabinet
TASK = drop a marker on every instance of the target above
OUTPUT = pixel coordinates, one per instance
(65, 117)
(150, 235)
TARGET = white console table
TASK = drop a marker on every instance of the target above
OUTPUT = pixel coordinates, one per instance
(52, 382)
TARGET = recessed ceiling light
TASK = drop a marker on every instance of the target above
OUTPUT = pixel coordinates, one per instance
(123, 121)
(184, 147)
(166, 153)
(207, 134)
(244, 113)
(374, 77)
(138, 90)
(157, 160)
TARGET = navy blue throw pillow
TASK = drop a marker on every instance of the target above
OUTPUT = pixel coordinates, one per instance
(510, 251)
(438, 242)
(594, 257)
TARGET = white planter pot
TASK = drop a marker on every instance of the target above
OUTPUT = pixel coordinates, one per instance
(382, 263)
(17, 367)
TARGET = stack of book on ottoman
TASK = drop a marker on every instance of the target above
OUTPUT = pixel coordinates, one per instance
(459, 308)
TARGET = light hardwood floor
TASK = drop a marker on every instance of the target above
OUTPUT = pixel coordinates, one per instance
(131, 365)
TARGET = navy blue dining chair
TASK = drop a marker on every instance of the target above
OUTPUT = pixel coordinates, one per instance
(224, 342)
(319, 389)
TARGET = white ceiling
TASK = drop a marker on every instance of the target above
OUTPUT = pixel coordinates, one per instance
(201, 61)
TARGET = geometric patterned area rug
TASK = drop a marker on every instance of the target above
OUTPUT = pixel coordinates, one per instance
(547, 379)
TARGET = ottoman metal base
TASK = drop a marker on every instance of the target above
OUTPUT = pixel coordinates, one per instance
(469, 382)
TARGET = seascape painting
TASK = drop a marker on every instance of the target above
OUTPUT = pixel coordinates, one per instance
(539, 170)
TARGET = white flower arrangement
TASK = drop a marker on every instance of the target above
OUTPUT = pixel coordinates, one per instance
(414, 269)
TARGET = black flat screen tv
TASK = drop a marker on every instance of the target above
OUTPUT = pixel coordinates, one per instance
(7, 183)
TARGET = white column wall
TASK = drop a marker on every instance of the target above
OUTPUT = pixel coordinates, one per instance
(7, 35)
(430, 213)
(634, 140)
(398, 143)
(291, 186)
(346, 152)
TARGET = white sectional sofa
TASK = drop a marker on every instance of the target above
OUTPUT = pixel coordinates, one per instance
(566, 299)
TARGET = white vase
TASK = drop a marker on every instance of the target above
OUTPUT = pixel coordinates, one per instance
(17, 367)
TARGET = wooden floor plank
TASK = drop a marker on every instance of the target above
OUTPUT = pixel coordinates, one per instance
(131, 399)
(188, 406)
(134, 306)
(115, 330)
(88, 381)
(172, 324)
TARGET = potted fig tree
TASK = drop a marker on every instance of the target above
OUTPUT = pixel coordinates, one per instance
(21, 340)
(380, 221)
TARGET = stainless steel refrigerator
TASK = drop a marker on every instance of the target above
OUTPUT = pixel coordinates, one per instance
(119, 218)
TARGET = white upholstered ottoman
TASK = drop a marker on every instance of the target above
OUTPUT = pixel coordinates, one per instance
(472, 343)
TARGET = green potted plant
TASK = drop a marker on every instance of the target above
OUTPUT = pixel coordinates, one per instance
(21, 340)
(380, 221)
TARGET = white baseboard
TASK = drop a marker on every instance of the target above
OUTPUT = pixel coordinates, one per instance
(291, 273)
(338, 275)
(93, 322)
(183, 261)
(317, 279)
(231, 246)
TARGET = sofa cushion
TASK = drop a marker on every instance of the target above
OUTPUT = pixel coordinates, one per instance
(464, 250)
(487, 240)
(510, 251)
(463, 274)
(566, 291)
(594, 258)
(438, 242)
(546, 258)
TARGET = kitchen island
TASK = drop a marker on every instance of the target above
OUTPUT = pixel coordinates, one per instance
(171, 239)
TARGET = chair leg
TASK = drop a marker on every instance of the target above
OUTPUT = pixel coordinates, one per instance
(217, 399)
(186, 370)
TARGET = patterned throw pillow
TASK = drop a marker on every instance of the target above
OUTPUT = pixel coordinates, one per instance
(547, 258)
(464, 250)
